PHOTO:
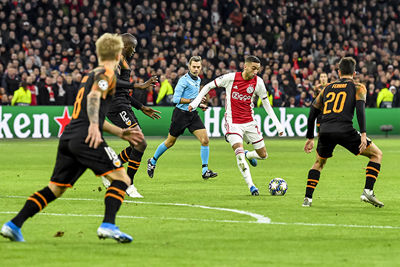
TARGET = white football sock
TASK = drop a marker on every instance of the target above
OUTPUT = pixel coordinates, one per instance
(253, 155)
(243, 166)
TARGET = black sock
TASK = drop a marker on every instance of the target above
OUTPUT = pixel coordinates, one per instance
(33, 205)
(372, 172)
(124, 155)
(134, 162)
(312, 182)
(113, 199)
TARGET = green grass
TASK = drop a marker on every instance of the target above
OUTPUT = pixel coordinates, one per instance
(167, 235)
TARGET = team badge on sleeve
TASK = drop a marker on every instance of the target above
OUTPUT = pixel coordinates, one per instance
(103, 85)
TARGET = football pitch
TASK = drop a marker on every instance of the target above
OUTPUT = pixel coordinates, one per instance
(185, 221)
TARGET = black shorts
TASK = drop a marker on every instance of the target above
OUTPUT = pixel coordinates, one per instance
(349, 140)
(74, 156)
(123, 119)
(182, 119)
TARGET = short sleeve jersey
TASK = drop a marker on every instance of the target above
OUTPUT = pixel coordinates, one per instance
(337, 102)
(101, 79)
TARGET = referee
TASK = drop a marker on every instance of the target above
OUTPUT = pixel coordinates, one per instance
(186, 90)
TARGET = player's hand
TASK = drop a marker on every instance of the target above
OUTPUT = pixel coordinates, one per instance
(132, 135)
(363, 144)
(203, 107)
(94, 136)
(150, 82)
(190, 108)
(309, 145)
(152, 113)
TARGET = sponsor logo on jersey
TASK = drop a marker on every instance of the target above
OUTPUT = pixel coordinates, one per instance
(250, 89)
(235, 87)
(239, 96)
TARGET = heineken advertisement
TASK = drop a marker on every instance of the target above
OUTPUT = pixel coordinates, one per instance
(50, 121)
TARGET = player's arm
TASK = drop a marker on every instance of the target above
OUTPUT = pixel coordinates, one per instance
(315, 110)
(132, 135)
(263, 95)
(179, 89)
(361, 98)
(196, 102)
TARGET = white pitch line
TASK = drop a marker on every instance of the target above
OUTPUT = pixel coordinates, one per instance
(260, 218)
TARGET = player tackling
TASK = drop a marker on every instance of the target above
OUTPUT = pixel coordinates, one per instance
(336, 104)
(241, 88)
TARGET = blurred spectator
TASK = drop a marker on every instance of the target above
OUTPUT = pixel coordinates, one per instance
(166, 92)
(33, 89)
(59, 91)
(385, 98)
(46, 92)
(10, 82)
(296, 41)
(278, 95)
(22, 96)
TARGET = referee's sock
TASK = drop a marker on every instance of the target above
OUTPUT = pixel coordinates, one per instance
(160, 150)
(134, 162)
(33, 205)
(372, 172)
(125, 154)
(113, 199)
(312, 182)
(204, 154)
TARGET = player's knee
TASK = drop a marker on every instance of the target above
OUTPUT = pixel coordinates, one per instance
(204, 141)
(378, 154)
(57, 190)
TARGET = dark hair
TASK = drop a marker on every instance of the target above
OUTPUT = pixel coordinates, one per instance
(128, 39)
(347, 66)
(253, 59)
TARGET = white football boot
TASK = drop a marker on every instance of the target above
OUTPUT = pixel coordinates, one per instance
(105, 181)
(132, 192)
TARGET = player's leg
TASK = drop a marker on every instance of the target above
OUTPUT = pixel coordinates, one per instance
(199, 130)
(164, 146)
(66, 171)
(234, 137)
(179, 122)
(373, 168)
(113, 200)
(351, 141)
(325, 147)
(254, 136)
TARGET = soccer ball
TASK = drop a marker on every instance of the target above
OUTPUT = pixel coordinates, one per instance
(277, 187)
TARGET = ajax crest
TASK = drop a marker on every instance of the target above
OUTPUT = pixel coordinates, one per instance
(250, 89)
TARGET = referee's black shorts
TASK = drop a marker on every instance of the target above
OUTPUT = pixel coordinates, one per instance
(182, 119)
(74, 156)
(350, 140)
(124, 118)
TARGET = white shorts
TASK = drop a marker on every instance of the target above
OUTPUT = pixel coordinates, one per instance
(248, 132)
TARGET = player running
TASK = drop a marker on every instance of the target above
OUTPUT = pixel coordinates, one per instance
(241, 88)
(336, 103)
(81, 146)
(185, 91)
(121, 113)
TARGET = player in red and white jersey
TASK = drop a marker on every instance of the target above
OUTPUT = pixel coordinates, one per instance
(241, 89)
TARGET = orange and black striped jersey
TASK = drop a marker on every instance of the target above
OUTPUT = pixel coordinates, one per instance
(337, 102)
(101, 79)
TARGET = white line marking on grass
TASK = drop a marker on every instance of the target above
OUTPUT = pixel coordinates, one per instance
(260, 218)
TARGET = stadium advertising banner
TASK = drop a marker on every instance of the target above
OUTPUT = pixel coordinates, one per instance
(50, 121)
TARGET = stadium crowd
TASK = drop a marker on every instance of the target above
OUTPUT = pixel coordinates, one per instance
(47, 46)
